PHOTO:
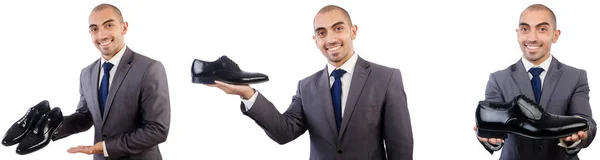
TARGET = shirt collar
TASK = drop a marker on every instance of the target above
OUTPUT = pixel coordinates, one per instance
(545, 65)
(115, 59)
(348, 66)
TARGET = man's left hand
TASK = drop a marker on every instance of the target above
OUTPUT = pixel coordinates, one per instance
(581, 135)
(96, 149)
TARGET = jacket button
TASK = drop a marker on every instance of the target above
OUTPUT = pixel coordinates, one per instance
(104, 135)
(340, 151)
(539, 147)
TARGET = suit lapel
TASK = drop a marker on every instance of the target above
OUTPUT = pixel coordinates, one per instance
(323, 88)
(550, 81)
(521, 78)
(95, 104)
(120, 75)
(359, 78)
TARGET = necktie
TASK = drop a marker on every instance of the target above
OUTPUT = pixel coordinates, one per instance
(336, 95)
(536, 83)
(103, 91)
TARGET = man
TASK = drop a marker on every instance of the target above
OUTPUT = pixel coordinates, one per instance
(353, 109)
(124, 95)
(560, 89)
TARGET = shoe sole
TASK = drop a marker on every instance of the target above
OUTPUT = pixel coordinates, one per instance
(212, 81)
(490, 133)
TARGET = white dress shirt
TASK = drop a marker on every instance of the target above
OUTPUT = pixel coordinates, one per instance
(348, 66)
(115, 61)
(545, 65)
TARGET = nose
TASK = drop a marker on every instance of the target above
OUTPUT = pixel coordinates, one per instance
(103, 33)
(332, 38)
(532, 37)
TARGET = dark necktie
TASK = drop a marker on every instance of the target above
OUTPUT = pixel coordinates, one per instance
(336, 95)
(536, 83)
(103, 91)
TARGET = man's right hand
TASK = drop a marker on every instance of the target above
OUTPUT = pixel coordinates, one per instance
(245, 91)
(494, 141)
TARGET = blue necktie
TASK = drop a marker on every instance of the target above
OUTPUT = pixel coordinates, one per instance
(336, 95)
(536, 83)
(103, 91)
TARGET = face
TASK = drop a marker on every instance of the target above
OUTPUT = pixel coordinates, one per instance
(536, 35)
(107, 31)
(333, 36)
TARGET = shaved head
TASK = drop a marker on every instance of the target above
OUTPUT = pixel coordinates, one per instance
(104, 6)
(541, 7)
(330, 8)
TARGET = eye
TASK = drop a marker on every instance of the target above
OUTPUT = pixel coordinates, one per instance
(109, 25)
(339, 28)
(320, 33)
(543, 29)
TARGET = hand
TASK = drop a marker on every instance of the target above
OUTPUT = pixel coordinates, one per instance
(96, 149)
(581, 135)
(494, 141)
(245, 91)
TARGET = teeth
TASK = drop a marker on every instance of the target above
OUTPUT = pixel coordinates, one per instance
(532, 47)
(105, 43)
(334, 48)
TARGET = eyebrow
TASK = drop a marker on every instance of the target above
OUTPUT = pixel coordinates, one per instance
(335, 24)
(540, 24)
(103, 23)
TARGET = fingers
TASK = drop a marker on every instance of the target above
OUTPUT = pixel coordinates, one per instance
(80, 149)
(474, 128)
(574, 137)
(221, 83)
(491, 140)
(582, 134)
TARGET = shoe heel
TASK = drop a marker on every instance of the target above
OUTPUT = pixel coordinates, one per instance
(491, 134)
(203, 80)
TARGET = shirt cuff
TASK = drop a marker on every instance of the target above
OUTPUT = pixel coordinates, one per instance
(104, 149)
(564, 144)
(249, 102)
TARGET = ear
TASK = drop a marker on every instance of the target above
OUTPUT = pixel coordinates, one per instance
(125, 26)
(353, 29)
(555, 36)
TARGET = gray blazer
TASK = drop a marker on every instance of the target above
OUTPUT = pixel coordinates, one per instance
(376, 123)
(565, 92)
(137, 114)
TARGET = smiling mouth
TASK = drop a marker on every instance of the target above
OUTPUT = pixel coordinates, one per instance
(334, 49)
(105, 43)
(533, 47)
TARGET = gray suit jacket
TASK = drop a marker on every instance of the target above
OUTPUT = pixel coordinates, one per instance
(137, 114)
(375, 126)
(565, 92)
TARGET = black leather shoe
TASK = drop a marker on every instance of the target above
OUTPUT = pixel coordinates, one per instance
(41, 134)
(223, 69)
(524, 117)
(19, 129)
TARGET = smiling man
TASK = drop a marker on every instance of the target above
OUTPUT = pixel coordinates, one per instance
(353, 108)
(559, 88)
(124, 95)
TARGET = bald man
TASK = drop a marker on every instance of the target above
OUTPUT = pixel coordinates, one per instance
(353, 109)
(563, 90)
(124, 95)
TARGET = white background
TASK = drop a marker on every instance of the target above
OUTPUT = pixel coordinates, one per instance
(445, 50)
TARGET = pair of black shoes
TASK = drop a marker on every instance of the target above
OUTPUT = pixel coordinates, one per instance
(523, 117)
(225, 70)
(34, 130)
